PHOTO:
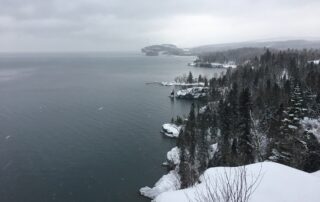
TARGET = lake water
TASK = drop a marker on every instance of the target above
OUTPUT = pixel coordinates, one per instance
(84, 127)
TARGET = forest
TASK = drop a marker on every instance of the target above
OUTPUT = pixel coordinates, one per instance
(266, 109)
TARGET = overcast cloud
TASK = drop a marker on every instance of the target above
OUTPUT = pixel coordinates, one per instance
(106, 25)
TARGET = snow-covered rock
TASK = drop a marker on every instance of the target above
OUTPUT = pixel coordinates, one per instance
(193, 93)
(168, 182)
(276, 183)
(171, 130)
(173, 156)
(311, 126)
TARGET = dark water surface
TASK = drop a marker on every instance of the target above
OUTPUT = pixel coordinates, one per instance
(84, 127)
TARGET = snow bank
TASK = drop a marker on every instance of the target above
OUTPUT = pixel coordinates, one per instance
(192, 93)
(173, 156)
(311, 126)
(278, 183)
(168, 182)
(171, 130)
(316, 173)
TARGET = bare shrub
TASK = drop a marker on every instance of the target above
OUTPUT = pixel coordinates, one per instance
(233, 185)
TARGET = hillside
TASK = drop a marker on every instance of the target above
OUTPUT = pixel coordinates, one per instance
(281, 45)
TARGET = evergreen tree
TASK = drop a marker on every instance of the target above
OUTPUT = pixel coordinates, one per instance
(291, 148)
(224, 142)
(245, 140)
(232, 100)
(187, 171)
(205, 82)
(190, 78)
(240, 127)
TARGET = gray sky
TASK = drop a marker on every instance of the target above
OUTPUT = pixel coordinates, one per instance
(106, 25)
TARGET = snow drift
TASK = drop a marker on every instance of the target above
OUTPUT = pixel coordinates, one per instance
(278, 183)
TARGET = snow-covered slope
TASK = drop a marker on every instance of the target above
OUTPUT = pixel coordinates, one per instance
(166, 183)
(278, 183)
(316, 173)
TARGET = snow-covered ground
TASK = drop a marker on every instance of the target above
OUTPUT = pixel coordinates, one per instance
(316, 173)
(171, 130)
(227, 65)
(199, 63)
(276, 183)
(192, 93)
(167, 183)
(170, 181)
(173, 83)
(316, 62)
(312, 126)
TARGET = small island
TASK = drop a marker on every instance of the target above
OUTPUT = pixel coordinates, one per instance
(165, 49)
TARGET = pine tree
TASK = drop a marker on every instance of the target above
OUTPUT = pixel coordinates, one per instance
(275, 133)
(202, 151)
(245, 140)
(190, 78)
(232, 100)
(224, 141)
(205, 81)
(290, 148)
(187, 170)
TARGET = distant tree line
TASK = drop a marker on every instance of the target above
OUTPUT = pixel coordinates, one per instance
(241, 55)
